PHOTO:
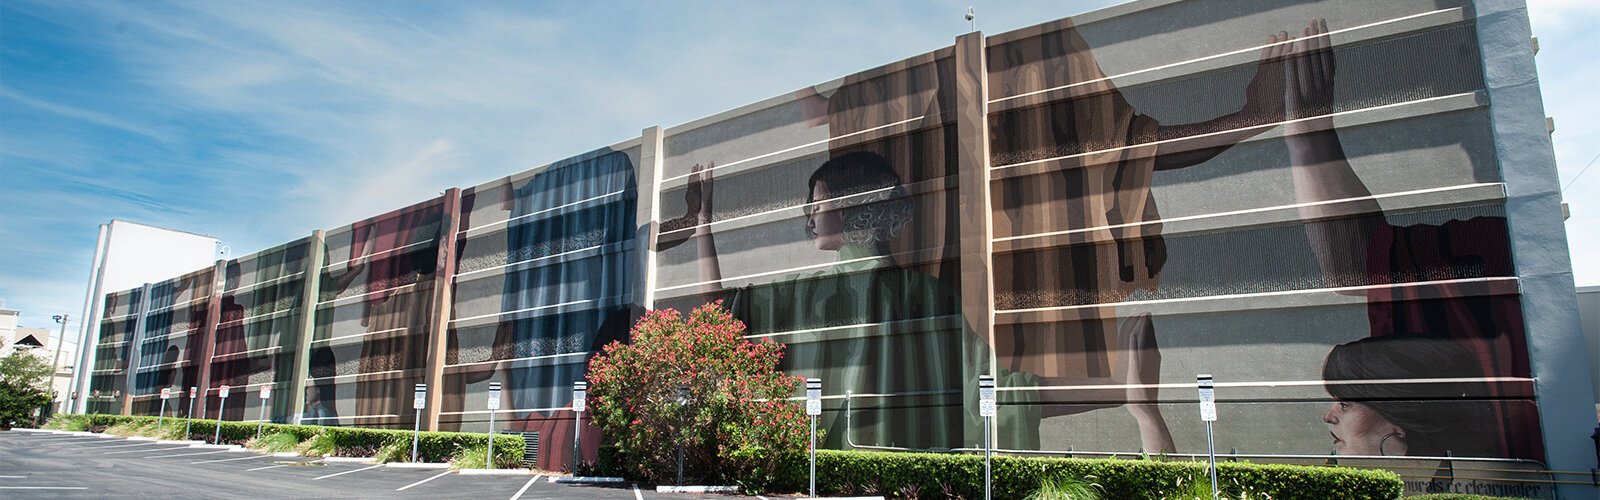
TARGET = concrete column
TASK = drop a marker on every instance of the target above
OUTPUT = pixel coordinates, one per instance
(972, 143)
(1538, 240)
(443, 297)
(651, 158)
(89, 327)
(308, 324)
(132, 374)
(209, 338)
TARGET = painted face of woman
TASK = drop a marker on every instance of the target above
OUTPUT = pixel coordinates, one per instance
(823, 220)
(1359, 430)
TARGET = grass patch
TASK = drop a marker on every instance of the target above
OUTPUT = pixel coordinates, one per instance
(1070, 488)
(319, 445)
(127, 429)
(274, 442)
(474, 457)
(395, 451)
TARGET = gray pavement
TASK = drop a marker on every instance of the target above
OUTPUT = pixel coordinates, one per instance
(39, 465)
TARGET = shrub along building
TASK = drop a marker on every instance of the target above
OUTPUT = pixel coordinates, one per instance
(1345, 211)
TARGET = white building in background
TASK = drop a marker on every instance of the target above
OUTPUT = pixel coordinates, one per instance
(129, 255)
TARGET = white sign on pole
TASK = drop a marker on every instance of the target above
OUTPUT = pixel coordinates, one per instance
(166, 393)
(266, 391)
(223, 392)
(813, 396)
(194, 392)
(986, 405)
(1208, 399)
(580, 396)
(494, 395)
(420, 398)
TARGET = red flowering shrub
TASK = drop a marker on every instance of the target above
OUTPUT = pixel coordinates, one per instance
(738, 422)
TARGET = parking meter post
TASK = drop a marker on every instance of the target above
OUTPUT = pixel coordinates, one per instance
(580, 396)
(683, 401)
(419, 399)
(987, 409)
(494, 405)
(223, 403)
(188, 417)
(1208, 413)
(813, 409)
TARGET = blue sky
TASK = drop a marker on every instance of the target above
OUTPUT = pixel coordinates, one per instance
(253, 121)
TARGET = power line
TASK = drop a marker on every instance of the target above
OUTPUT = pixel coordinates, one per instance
(1580, 173)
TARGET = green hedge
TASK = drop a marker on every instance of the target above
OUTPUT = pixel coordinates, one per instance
(347, 441)
(930, 475)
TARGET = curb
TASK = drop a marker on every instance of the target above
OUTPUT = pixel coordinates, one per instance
(217, 446)
(586, 480)
(142, 438)
(179, 441)
(285, 454)
(697, 489)
(416, 465)
(349, 460)
(494, 472)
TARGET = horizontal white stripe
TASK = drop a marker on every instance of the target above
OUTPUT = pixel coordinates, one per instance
(245, 353)
(373, 255)
(508, 222)
(1253, 210)
(260, 284)
(174, 306)
(143, 369)
(241, 388)
(253, 318)
(503, 410)
(801, 206)
(481, 316)
(167, 335)
(529, 358)
(1257, 294)
(359, 335)
(503, 266)
(1270, 383)
(796, 148)
(1264, 126)
(352, 416)
(353, 375)
(1214, 56)
(367, 294)
(780, 271)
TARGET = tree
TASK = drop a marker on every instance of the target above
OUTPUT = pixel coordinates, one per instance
(24, 387)
(738, 422)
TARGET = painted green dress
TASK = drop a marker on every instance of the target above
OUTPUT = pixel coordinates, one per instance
(894, 339)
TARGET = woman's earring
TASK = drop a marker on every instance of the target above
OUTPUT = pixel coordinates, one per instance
(1385, 440)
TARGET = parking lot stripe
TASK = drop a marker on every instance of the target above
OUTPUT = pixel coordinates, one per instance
(129, 445)
(347, 472)
(229, 459)
(188, 454)
(13, 477)
(136, 451)
(436, 476)
(43, 488)
(265, 468)
(525, 488)
(636, 494)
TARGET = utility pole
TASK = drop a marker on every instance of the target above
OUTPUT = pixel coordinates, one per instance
(55, 363)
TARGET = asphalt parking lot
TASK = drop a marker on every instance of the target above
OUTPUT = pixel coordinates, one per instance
(42, 465)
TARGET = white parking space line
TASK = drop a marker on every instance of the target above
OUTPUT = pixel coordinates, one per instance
(407, 487)
(525, 487)
(106, 447)
(347, 472)
(13, 477)
(43, 488)
(636, 494)
(138, 451)
(265, 468)
(229, 459)
(189, 454)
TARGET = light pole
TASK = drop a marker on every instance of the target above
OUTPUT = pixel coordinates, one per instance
(55, 364)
